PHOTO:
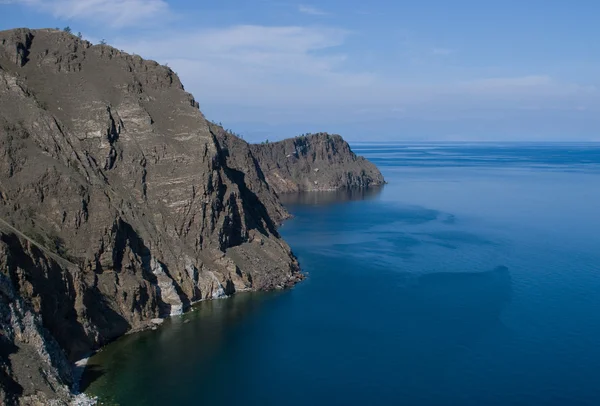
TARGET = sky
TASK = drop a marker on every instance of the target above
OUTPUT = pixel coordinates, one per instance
(427, 70)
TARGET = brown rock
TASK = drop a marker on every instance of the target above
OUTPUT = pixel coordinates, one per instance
(120, 204)
(314, 162)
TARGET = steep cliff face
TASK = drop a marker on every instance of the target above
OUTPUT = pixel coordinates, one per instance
(239, 156)
(314, 162)
(117, 201)
(120, 203)
(33, 368)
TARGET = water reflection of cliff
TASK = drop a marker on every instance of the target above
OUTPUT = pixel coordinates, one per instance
(186, 343)
(330, 197)
(401, 338)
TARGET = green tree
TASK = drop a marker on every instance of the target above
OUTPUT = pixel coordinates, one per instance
(80, 35)
(102, 41)
(67, 29)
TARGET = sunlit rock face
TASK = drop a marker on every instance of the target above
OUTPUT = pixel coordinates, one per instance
(120, 204)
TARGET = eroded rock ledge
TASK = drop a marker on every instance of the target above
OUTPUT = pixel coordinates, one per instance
(120, 203)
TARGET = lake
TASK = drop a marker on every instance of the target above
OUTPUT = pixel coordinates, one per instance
(472, 278)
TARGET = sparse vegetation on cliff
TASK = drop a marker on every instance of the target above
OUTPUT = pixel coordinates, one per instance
(120, 203)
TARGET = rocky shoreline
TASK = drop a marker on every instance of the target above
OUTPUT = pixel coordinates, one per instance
(120, 203)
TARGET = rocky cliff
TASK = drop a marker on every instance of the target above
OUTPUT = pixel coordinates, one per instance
(314, 162)
(120, 203)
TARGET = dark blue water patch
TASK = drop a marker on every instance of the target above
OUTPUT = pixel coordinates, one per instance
(371, 216)
(466, 284)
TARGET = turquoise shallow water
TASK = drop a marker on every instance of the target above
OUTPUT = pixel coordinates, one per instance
(473, 278)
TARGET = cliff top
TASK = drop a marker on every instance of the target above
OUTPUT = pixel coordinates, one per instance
(123, 204)
(311, 137)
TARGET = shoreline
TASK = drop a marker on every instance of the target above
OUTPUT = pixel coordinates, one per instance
(78, 367)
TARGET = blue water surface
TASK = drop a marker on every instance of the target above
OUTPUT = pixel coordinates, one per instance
(472, 278)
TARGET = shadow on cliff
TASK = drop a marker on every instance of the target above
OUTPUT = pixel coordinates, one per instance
(256, 215)
(126, 237)
(37, 275)
(7, 383)
(55, 286)
(254, 209)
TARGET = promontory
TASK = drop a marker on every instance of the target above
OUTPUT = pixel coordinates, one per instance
(120, 203)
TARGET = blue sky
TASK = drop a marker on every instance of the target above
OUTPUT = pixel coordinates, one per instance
(380, 70)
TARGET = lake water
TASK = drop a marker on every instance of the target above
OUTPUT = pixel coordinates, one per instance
(472, 278)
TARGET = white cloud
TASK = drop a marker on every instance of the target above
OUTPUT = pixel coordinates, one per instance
(250, 54)
(301, 69)
(311, 10)
(113, 13)
(303, 73)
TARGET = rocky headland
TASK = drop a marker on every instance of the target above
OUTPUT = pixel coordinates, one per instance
(314, 162)
(120, 203)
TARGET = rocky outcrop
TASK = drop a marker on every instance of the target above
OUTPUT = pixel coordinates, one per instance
(120, 204)
(117, 201)
(241, 160)
(314, 162)
(33, 368)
